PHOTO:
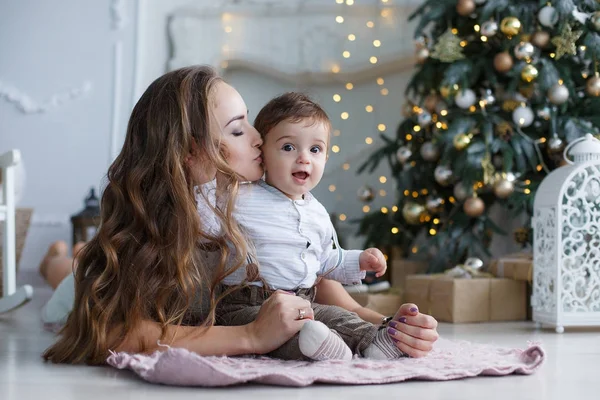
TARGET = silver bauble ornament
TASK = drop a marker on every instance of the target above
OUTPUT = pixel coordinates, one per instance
(434, 205)
(461, 191)
(524, 51)
(424, 119)
(430, 152)
(442, 175)
(473, 263)
(465, 98)
(548, 16)
(503, 188)
(489, 28)
(523, 116)
(558, 94)
(366, 194)
(403, 154)
(555, 144)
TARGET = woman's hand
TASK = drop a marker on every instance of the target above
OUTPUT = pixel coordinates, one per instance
(277, 321)
(414, 333)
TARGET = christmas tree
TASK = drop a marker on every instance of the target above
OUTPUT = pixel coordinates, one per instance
(501, 87)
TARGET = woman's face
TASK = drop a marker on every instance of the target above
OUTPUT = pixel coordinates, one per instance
(241, 141)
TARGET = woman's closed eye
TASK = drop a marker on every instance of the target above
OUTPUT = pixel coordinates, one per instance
(288, 147)
(236, 134)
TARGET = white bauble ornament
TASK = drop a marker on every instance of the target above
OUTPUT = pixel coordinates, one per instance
(548, 16)
(465, 98)
(424, 119)
(558, 94)
(403, 154)
(523, 116)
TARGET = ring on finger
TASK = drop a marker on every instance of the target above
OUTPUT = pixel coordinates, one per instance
(301, 313)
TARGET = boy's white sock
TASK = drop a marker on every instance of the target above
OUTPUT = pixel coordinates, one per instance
(383, 348)
(320, 343)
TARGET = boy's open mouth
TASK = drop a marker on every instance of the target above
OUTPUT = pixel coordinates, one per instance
(302, 175)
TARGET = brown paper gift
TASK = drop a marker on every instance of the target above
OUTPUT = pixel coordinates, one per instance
(401, 268)
(467, 300)
(386, 304)
(518, 266)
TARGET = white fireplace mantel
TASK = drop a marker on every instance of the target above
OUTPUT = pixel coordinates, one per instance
(294, 40)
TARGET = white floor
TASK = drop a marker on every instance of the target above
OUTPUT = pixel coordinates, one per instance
(572, 370)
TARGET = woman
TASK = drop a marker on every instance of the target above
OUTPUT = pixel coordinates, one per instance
(138, 279)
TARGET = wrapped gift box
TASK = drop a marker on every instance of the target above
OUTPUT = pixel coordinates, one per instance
(401, 268)
(386, 303)
(467, 300)
(517, 266)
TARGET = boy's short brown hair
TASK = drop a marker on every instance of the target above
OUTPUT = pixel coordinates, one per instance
(292, 107)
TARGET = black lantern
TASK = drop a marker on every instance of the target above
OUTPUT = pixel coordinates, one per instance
(86, 222)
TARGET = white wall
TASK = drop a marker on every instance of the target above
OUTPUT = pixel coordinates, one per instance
(67, 138)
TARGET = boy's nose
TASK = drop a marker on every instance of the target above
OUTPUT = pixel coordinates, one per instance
(303, 158)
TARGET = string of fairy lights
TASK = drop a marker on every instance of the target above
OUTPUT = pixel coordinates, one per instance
(373, 58)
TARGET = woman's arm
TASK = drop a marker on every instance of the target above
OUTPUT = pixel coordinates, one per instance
(333, 293)
(274, 325)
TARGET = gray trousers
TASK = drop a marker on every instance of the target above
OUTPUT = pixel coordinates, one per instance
(241, 307)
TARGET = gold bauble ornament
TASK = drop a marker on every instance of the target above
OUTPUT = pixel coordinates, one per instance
(529, 73)
(504, 130)
(461, 141)
(503, 62)
(449, 91)
(510, 26)
(592, 86)
(503, 188)
(474, 207)
(366, 194)
(540, 39)
(465, 7)
(412, 212)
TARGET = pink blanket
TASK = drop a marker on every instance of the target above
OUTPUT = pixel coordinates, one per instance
(449, 360)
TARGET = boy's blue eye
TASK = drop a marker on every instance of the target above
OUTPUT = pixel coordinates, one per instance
(315, 149)
(287, 147)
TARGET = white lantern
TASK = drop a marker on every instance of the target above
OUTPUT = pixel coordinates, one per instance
(566, 245)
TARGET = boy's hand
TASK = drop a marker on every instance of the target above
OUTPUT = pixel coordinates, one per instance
(372, 260)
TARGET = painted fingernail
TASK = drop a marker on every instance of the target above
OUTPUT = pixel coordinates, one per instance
(391, 331)
(395, 340)
(392, 324)
(414, 309)
(402, 319)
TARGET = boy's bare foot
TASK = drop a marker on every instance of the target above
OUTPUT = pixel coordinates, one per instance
(56, 249)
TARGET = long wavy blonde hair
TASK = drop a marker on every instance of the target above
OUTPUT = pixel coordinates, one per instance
(143, 263)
